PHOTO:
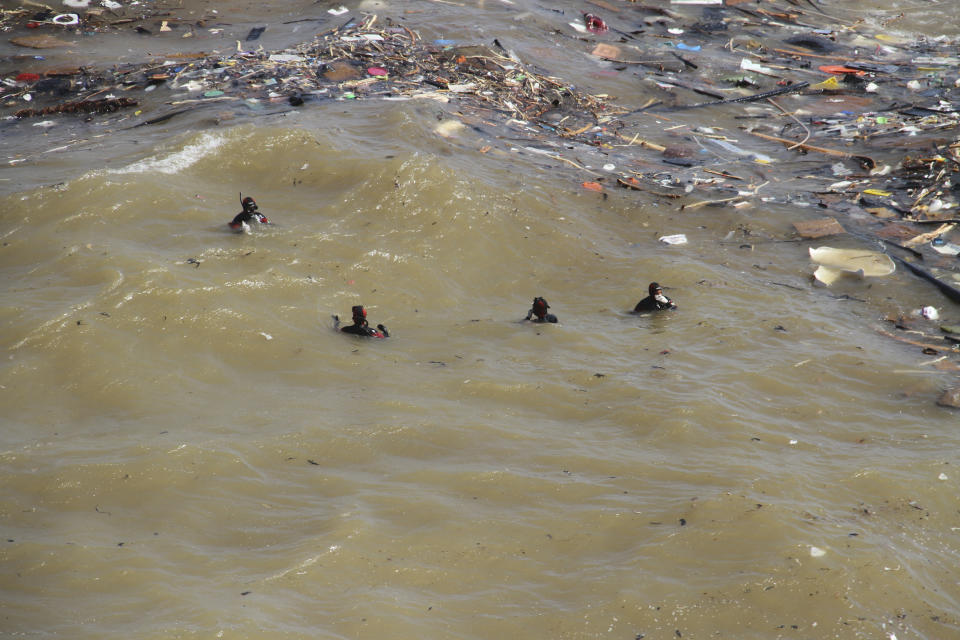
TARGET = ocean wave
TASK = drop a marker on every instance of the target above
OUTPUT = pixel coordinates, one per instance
(206, 145)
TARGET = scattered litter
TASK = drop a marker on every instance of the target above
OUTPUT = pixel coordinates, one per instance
(449, 128)
(594, 24)
(266, 335)
(104, 105)
(944, 248)
(833, 263)
(283, 57)
(40, 42)
(818, 228)
(817, 552)
(337, 11)
(66, 19)
(830, 84)
(866, 161)
(748, 65)
(363, 37)
(677, 238)
(840, 170)
(734, 149)
(928, 312)
(835, 69)
(606, 51)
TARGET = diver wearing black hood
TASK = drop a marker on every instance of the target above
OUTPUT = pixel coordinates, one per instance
(360, 326)
(656, 301)
(251, 213)
(538, 312)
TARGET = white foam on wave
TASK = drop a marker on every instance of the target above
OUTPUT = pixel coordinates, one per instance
(175, 162)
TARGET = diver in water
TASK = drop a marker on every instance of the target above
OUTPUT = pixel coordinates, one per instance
(241, 222)
(656, 301)
(360, 326)
(538, 313)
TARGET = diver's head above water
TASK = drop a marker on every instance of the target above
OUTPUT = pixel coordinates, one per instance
(540, 307)
(538, 312)
(359, 314)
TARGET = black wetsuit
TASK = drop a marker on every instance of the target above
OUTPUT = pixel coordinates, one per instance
(531, 316)
(361, 328)
(243, 216)
(654, 303)
(366, 330)
(250, 213)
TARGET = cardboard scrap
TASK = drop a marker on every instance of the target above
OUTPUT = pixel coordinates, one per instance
(40, 42)
(896, 231)
(881, 212)
(818, 228)
(340, 71)
(606, 51)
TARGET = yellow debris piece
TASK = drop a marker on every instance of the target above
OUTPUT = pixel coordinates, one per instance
(829, 84)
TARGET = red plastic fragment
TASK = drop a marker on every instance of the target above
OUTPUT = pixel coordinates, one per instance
(594, 24)
(27, 77)
(835, 69)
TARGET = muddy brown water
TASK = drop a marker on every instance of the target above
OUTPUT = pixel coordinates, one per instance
(190, 451)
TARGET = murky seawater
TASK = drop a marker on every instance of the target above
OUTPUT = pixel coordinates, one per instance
(190, 450)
